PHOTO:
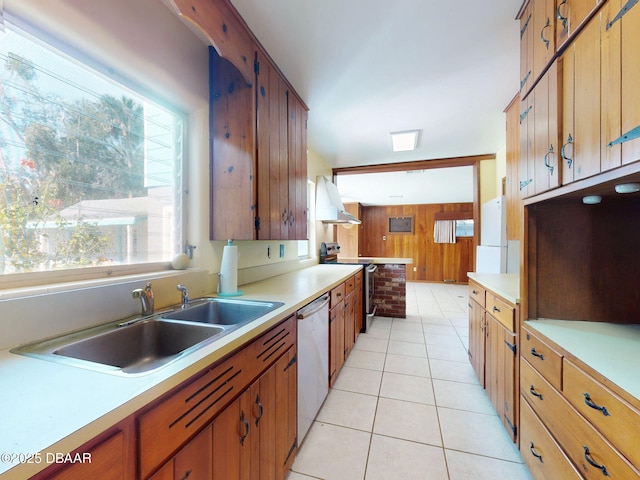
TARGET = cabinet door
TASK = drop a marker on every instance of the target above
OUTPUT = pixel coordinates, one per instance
(630, 91)
(336, 341)
(273, 170)
(500, 372)
(108, 461)
(232, 442)
(545, 143)
(232, 169)
(349, 323)
(611, 70)
(263, 426)
(297, 169)
(192, 462)
(477, 340)
(359, 312)
(544, 45)
(570, 14)
(586, 106)
(525, 160)
(285, 409)
(526, 50)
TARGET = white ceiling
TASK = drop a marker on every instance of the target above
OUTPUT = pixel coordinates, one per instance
(366, 68)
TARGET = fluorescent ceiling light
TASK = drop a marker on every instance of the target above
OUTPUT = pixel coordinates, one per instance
(404, 141)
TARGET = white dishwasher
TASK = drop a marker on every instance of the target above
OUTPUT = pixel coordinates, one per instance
(313, 361)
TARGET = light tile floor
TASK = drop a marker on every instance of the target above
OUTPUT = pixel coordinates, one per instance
(407, 404)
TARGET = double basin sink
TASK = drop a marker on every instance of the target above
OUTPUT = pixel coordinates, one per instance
(146, 344)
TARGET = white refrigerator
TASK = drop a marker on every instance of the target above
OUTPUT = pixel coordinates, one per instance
(495, 254)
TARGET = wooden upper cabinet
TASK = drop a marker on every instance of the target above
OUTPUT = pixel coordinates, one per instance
(544, 162)
(298, 208)
(537, 41)
(273, 160)
(232, 169)
(282, 156)
(630, 25)
(570, 15)
(544, 45)
(224, 30)
(526, 49)
(581, 86)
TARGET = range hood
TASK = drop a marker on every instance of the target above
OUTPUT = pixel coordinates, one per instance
(329, 206)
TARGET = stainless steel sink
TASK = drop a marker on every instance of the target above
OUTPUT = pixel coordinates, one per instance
(223, 311)
(142, 345)
(133, 348)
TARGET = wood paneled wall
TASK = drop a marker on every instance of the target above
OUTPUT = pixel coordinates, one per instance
(433, 262)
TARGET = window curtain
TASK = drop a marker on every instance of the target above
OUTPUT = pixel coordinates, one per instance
(444, 231)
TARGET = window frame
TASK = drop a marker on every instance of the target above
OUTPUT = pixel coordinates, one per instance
(82, 274)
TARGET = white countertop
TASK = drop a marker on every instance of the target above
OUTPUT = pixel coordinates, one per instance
(507, 285)
(52, 407)
(379, 260)
(612, 350)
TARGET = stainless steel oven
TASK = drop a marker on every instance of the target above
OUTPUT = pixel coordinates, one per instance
(329, 255)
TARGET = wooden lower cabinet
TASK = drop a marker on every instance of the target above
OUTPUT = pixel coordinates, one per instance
(108, 457)
(500, 372)
(336, 341)
(193, 461)
(493, 351)
(593, 451)
(255, 437)
(542, 455)
(477, 339)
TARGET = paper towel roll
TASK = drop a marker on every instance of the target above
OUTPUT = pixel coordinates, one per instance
(229, 270)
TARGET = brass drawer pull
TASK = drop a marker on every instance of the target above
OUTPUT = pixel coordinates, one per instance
(603, 409)
(587, 457)
(533, 392)
(536, 354)
(534, 453)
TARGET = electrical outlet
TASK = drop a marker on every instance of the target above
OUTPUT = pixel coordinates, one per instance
(281, 250)
(415, 269)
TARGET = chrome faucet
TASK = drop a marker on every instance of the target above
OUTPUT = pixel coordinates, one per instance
(185, 295)
(146, 298)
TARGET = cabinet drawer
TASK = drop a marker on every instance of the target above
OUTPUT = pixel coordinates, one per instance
(543, 358)
(618, 421)
(538, 392)
(500, 310)
(337, 295)
(171, 422)
(350, 285)
(477, 294)
(587, 449)
(540, 452)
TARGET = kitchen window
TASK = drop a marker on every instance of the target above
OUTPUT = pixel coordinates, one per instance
(90, 170)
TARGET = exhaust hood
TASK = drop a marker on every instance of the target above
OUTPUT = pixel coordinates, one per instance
(329, 206)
